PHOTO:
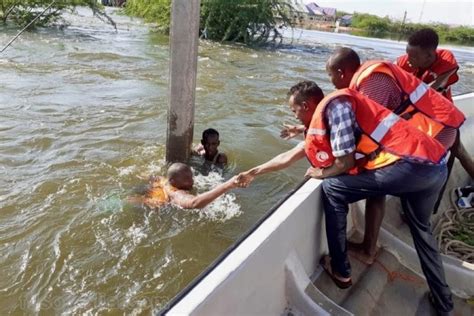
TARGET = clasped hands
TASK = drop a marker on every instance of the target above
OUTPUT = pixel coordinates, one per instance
(243, 179)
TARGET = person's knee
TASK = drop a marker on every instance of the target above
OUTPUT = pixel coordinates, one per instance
(328, 185)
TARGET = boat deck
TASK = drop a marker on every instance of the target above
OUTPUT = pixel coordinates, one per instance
(384, 288)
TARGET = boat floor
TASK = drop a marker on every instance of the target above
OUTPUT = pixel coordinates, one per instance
(384, 288)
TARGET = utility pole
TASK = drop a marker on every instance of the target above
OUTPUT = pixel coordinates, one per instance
(422, 9)
(184, 38)
(401, 27)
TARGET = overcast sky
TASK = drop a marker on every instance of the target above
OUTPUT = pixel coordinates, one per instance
(445, 11)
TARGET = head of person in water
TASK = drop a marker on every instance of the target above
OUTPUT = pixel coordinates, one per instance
(180, 176)
(304, 97)
(210, 141)
(341, 66)
(421, 48)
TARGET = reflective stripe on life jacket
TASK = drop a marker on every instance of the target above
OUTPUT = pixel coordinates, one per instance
(385, 137)
(423, 107)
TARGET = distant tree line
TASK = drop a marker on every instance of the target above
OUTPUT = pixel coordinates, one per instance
(247, 21)
(377, 25)
(257, 21)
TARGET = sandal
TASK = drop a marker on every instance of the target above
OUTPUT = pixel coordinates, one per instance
(326, 264)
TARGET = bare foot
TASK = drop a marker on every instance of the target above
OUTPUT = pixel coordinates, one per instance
(358, 251)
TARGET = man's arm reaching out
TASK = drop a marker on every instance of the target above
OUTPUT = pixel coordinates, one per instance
(189, 201)
(279, 162)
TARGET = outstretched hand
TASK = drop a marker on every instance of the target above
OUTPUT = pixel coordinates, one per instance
(245, 178)
(290, 131)
(235, 182)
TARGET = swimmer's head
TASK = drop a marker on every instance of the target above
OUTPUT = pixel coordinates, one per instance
(210, 141)
(180, 176)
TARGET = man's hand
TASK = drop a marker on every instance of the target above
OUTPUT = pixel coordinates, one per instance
(316, 173)
(235, 182)
(245, 178)
(290, 131)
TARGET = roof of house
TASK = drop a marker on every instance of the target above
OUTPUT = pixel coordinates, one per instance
(314, 9)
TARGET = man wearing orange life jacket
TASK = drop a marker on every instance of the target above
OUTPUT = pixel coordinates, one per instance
(400, 160)
(175, 189)
(438, 68)
(405, 95)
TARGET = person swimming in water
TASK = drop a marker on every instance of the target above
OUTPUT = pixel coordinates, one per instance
(175, 189)
(208, 148)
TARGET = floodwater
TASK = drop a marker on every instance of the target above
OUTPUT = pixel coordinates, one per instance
(83, 117)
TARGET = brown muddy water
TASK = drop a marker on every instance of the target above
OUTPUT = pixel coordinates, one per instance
(83, 115)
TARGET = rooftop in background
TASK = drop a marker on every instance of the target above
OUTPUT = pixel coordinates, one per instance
(314, 9)
(459, 12)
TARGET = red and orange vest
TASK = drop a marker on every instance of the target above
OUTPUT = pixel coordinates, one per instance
(425, 108)
(444, 62)
(385, 136)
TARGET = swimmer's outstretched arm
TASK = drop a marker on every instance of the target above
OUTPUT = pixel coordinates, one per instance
(188, 201)
(279, 162)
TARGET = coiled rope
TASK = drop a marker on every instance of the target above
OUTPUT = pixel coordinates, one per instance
(453, 224)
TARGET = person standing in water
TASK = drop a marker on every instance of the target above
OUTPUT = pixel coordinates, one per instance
(209, 148)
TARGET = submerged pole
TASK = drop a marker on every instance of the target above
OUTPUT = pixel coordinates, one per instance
(184, 37)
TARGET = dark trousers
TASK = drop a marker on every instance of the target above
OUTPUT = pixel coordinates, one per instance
(418, 186)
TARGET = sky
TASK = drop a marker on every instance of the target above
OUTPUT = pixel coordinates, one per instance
(457, 12)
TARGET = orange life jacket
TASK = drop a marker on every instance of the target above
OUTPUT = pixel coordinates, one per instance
(444, 62)
(158, 192)
(385, 137)
(425, 108)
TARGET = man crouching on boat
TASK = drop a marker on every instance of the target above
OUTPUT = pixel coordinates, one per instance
(175, 189)
(363, 150)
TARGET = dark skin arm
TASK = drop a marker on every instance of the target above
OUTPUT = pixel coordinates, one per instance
(222, 159)
(188, 201)
(340, 166)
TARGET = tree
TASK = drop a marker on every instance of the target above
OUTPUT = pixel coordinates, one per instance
(247, 21)
(21, 12)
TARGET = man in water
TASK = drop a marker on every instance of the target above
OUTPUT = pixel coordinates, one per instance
(407, 163)
(209, 148)
(175, 189)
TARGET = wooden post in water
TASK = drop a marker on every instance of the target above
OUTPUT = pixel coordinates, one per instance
(184, 38)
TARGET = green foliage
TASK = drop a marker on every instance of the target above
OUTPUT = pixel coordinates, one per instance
(157, 11)
(247, 21)
(21, 12)
(371, 23)
(376, 25)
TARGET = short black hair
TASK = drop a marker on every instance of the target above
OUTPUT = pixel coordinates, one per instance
(425, 38)
(345, 58)
(306, 90)
(209, 132)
